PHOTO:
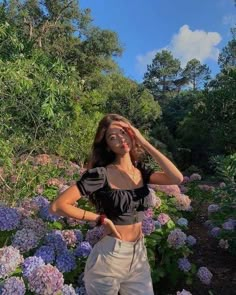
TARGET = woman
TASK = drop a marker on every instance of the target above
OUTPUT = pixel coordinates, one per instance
(116, 183)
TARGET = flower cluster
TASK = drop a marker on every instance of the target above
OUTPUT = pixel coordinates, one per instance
(9, 218)
(182, 222)
(68, 290)
(176, 238)
(191, 240)
(56, 240)
(148, 226)
(170, 190)
(213, 208)
(13, 285)
(183, 202)
(184, 264)
(36, 224)
(46, 253)
(10, 259)
(204, 275)
(94, 235)
(25, 240)
(66, 262)
(83, 250)
(195, 177)
(163, 218)
(45, 279)
(30, 264)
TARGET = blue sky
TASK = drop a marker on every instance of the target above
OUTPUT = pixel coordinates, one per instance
(188, 28)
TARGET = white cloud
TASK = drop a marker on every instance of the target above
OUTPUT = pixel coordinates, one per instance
(185, 45)
(197, 44)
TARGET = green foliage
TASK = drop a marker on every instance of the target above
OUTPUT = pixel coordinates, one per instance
(225, 167)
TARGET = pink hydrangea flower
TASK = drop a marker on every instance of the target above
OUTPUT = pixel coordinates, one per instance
(195, 177)
(163, 218)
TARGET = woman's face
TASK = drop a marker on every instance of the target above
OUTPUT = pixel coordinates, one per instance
(118, 138)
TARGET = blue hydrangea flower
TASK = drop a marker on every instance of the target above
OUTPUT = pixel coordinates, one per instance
(46, 215)
(44, 278)
(9, 218)
(79, 235)
(83, 250)
(47, 253)
(30, 264)
(182, 222)
(183, 292)
(80, 290)
(184, 264)
(40, 201)
(68, 290)
(56, 240)
(10, 259)
(25, 240)
(215, 231)
(66, 261)
(191, 241)
(13, 286)
(157, 224)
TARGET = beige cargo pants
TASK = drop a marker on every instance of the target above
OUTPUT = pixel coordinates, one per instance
(118, 266)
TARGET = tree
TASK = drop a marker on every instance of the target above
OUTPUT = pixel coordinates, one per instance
(227, 57)
(161, 73)
(195, 73)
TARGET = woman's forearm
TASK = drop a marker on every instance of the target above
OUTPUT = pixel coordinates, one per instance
(68, 210)
(167, 166)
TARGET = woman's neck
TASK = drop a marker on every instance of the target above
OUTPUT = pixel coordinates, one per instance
(124, 162)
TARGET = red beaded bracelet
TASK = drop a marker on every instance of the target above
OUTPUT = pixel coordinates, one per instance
(100, 220)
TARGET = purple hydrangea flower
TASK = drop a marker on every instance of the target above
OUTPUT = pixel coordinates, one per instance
(9, 218)
(65, 261)
(68, 290)
(13, 286)
(148, 226)
(176, 238)
(213, 208)
(184, 264)
(10, 259)
(182, 222)
(45, 279)
(228, 225)
(183, 292)
(25, 240)
(195, 176)
(79, 235)
(40, 201)
(191, 241)
(94, 235)
(47, 253)
(27, 207)
(204, 275)
(215, 232)
(36, 224)
(56, 240)
(46, 215)
(81, 290)
(30, 264)
(149, 213)
(163, 218)
(83, 250)
(152, 199)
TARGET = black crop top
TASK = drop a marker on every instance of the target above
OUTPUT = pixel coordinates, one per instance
(122, 206)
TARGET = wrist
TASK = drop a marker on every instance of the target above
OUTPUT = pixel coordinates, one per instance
(100, 220)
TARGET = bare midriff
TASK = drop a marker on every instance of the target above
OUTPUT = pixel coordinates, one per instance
(130, 232)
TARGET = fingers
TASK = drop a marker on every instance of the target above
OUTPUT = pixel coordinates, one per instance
(110, 227)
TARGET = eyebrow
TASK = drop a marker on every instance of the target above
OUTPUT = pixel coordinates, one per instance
(114, 133)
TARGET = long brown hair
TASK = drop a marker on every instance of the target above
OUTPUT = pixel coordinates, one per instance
(100, 155)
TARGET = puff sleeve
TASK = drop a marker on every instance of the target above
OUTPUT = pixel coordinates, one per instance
(146, 172)
(91, 181)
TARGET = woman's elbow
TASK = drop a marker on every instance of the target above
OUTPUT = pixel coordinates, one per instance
(53, 208)
(179, 179)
